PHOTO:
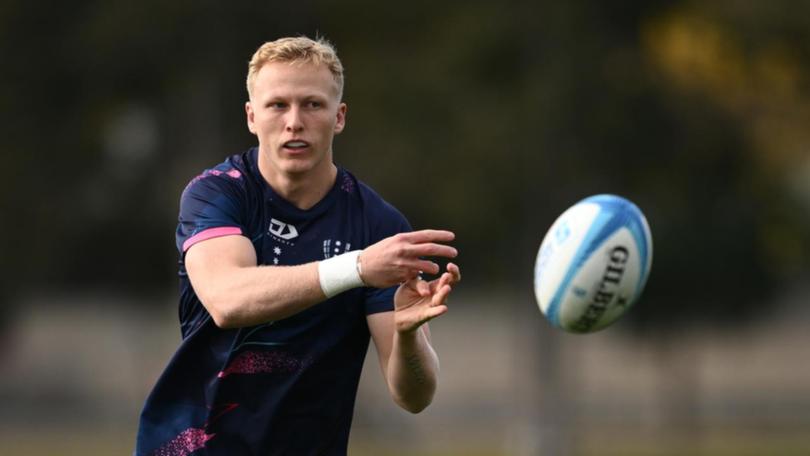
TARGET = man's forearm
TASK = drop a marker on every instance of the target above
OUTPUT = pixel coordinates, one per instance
(413, 370)
(259, 294)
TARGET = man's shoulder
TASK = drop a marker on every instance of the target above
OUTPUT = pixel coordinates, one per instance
(370, 198)
(231, 173)
(378, 211)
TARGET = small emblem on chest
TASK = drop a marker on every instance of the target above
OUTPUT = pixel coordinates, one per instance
(282, 230)
(332, 248)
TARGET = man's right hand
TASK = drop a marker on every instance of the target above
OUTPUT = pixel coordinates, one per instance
(397, 259)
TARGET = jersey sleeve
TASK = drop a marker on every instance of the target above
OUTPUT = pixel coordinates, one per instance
(382, 299)
(210, 207)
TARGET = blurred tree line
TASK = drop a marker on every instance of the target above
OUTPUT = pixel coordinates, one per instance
(488, 118)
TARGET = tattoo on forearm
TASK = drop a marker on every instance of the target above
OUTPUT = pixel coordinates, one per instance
(415, 366)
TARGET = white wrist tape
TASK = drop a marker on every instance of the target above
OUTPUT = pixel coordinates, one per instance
(340, 273)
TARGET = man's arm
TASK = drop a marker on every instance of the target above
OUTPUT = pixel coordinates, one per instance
(237, 292)
(402, 338)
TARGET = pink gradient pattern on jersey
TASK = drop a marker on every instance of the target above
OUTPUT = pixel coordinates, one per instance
(262, 362)
(233, 173)
(348, 184)
(189, 441)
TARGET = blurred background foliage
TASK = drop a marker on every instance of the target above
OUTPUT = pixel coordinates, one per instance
(488, 118)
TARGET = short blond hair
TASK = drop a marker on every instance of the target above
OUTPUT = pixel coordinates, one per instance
(296, 50)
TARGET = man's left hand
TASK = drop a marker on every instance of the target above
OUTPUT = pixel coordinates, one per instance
(417, 301)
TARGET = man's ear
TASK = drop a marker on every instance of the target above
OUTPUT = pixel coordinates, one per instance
(340, 124)
(249, 114)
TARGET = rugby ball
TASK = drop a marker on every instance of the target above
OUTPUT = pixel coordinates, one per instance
(593, 263)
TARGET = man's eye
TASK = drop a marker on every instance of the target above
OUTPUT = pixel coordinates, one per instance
(277, 105)
(315, 104)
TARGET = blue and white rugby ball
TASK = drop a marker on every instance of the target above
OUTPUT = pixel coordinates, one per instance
(593, 263)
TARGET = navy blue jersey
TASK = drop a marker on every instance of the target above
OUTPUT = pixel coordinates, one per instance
(285, 387)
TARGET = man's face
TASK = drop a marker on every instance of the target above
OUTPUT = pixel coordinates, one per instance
(295, 112)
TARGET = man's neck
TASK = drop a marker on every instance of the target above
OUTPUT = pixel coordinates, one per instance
(302, 190)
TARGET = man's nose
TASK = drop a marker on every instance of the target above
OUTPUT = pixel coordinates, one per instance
(294, 121)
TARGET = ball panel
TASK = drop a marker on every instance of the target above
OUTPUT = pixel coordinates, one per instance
(593, 263)
(635, 221)
(558, 247)
(605, 286)
(646, 254)
(608, 220)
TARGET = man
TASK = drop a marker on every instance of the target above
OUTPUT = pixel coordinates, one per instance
(289, 264)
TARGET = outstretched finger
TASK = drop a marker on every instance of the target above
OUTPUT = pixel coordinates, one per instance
(437, 284)
(453, 269)
(422, 236)
(424, 266)
(431, 250)
(440, 297)
(432, 312)
(445, 279)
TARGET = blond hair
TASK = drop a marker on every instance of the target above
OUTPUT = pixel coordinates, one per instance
(296, 50)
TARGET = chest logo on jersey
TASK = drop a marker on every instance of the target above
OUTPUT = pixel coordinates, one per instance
(282, 230)
(332, 248)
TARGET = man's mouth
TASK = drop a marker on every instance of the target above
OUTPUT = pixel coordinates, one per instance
(295, 145)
